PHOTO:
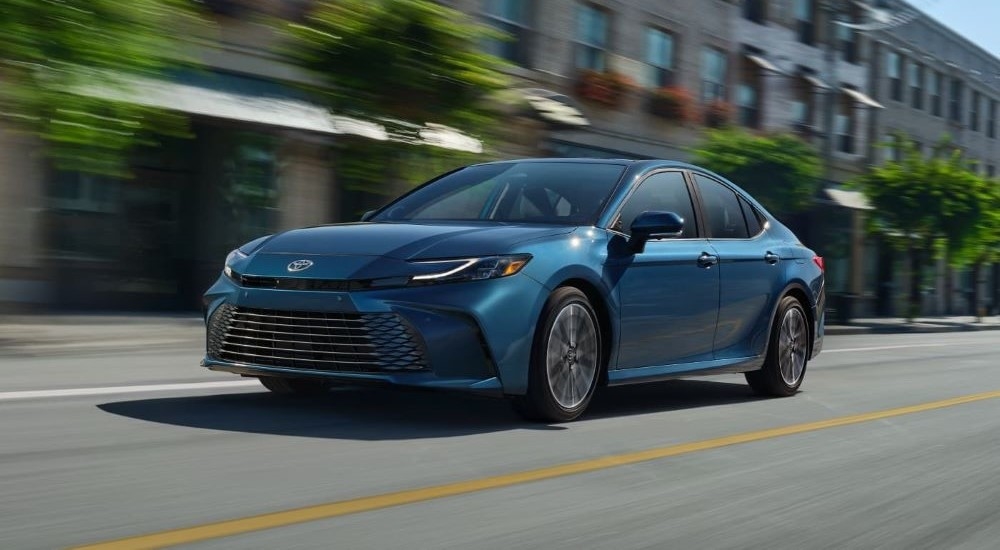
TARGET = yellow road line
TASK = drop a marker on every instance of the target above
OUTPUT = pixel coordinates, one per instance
(227, 528)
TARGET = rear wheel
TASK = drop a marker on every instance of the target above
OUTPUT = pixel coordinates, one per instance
(565, 359)
(295, 386)
(787, 353)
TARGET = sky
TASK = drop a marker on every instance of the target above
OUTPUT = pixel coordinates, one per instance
(976, 20)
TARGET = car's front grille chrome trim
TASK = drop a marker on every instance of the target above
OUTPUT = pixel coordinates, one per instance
(330, 342)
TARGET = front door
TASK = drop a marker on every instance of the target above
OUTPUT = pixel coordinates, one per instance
(669, 293)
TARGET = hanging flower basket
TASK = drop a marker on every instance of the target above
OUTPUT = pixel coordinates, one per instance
(718, 113)
(672, 102)
(607, 88)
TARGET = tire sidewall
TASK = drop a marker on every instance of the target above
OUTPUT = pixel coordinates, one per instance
(773, 365)
(539, 390)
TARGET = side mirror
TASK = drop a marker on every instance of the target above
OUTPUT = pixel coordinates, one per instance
(367, 215)
(654, 225)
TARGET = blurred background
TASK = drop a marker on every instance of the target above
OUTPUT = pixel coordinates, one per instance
(141, 141)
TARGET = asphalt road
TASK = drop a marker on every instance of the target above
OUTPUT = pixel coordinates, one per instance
(130, 452)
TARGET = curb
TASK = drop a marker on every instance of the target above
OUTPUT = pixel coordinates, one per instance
(841, 330)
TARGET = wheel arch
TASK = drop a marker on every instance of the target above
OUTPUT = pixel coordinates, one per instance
(798, 291)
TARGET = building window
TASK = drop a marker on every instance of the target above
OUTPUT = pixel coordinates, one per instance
(955, 100)
(755, 10)
(591, 38)
(974, 111)
(892, 152)
(510, 17)
(935, 83)
(805, 20)
(713, 75)
(844, 126)
(749, 106)
(991, 119)
(847, 39)
(801, 115)
(916, 85)
(894, 70)
(659, 57)
(991, 170)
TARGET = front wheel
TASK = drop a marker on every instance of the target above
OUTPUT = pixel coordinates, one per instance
(295, 386)
(565, 359)
(787, 352)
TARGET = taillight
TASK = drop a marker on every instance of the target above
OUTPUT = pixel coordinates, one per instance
(818, 260)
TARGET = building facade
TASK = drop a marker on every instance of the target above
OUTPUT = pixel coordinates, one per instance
(938, 88)
(593, 77)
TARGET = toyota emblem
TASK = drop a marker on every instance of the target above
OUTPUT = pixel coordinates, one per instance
(299, 265)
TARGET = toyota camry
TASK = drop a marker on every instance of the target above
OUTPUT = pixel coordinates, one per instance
(537, 280)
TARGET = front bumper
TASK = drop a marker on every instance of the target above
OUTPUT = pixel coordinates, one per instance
(472, 337)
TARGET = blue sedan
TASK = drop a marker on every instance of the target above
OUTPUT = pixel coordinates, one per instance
(537, 280)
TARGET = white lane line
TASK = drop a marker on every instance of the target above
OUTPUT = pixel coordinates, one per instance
(75, 392)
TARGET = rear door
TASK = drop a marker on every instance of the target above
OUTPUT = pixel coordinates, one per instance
(750, 270)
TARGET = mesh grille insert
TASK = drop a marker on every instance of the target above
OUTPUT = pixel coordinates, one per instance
(333, 342)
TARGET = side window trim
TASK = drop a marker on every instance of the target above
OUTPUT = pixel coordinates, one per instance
(695, 203)
(761, 222)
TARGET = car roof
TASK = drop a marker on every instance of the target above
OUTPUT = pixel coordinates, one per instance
(638, 163)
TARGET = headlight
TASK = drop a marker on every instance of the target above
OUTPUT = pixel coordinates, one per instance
(470, 269)
(233, 256)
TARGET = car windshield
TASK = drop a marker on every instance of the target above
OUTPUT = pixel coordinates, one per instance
(563, 193)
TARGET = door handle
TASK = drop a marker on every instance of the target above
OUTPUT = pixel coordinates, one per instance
(771, 258)
(707, 260)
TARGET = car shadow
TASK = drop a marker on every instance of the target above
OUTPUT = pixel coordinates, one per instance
(373, 414)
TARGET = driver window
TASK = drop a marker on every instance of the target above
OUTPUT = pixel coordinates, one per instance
(662, 192)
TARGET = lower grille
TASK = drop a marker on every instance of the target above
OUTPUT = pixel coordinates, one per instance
(332, 342)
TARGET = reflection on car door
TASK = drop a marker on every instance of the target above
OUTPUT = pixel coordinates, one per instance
(669, 293)
(750, 271)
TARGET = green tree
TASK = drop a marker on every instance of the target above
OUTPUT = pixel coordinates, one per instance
(779, 170)
(399, 60)
(414, 60)
(921, 203)
(983, 245)
(51, 51)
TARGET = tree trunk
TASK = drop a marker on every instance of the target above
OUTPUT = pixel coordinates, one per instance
(977, 269)
(949, 287)
(916, 267)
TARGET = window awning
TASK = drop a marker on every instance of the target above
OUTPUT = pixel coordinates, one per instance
(273, 110)
(763, 63)
(815, 81)
(555, 108)
(859, 97)
(848, 199)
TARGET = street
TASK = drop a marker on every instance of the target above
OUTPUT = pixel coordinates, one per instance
(149, 443)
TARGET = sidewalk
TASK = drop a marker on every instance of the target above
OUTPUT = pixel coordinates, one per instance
(66, 334)
(84, 333)
(895, 325)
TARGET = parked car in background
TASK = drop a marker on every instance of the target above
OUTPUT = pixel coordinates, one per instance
(537, 280)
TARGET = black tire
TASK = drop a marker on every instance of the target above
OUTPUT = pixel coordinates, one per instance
(577, 344)
(295, 386)
(790, 322)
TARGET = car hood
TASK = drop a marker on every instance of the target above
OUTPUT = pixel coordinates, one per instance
(406, 241)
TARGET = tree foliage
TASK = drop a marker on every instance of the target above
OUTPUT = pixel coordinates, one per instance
(919, 202)
(53, 50)
(413, 60)
(779, 170)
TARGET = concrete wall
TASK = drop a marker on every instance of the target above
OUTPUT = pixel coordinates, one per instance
(22, 201)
